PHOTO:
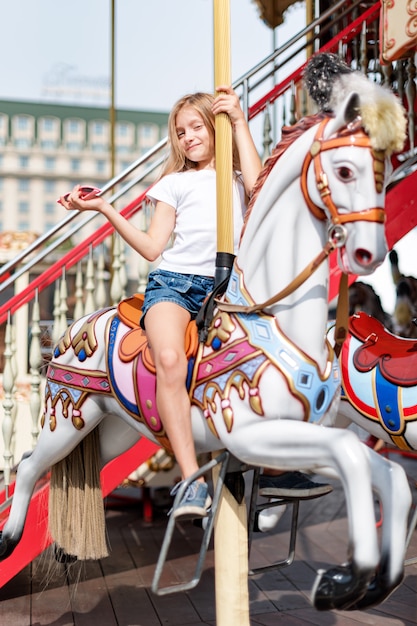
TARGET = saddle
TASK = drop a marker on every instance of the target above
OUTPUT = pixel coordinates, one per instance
(395, 356)
(135, 340)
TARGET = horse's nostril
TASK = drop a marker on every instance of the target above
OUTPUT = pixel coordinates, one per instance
(363, 256)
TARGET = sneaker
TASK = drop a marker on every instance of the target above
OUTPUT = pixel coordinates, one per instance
(195, 502)
(291, 485)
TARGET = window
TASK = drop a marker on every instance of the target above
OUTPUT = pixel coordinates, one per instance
(101, 166)
(48, 124)
(23, 184)
(122, 129)
(74, 146)
(22, 142)
(23, 207)
(74, 126)
(1, 184)
(23, 162)
(49, 186)
(98, 128)
(22, 122)
(49, 144)
(75, 165)
(23, 225)
(148, 131)
(49, 208)
(49, 163)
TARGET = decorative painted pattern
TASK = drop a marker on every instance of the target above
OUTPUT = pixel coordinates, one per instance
(238, 350)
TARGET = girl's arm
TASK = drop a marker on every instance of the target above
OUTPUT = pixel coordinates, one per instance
(228, 102)
(149, 244)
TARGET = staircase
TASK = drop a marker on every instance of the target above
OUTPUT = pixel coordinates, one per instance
(356, 39)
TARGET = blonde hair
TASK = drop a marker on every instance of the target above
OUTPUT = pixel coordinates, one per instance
(176, 160)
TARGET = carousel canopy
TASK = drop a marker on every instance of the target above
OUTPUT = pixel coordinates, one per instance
(271, 11)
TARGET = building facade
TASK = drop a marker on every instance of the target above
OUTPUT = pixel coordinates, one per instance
(45, 149)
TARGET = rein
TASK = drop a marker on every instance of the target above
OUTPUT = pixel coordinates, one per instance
(352, 136)
(294, 284)
(342, 311)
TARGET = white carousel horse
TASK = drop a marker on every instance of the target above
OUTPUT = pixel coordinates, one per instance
(262, 382)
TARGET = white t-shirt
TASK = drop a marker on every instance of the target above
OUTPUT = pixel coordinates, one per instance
(193, 196)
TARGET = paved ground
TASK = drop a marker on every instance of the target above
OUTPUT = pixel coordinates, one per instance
(116, 591)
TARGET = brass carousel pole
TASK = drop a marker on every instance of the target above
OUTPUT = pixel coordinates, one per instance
(230, 534)
(224, 161)
(112, 91)
(310, 8)
(112, 121)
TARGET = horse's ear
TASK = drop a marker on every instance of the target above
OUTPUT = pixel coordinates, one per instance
(346, 113)
(352, 110)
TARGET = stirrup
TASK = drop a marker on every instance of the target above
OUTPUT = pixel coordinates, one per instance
(254, 511)
(223, 460)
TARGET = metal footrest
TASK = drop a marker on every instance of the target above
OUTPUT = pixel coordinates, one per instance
(411, 529)
(223, 460)
(254, 511)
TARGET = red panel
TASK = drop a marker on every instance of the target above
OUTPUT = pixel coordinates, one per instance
(401, 209)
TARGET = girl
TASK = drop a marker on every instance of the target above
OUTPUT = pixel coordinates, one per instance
(185, 206)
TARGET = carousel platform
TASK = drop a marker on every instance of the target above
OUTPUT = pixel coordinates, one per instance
(117, 591)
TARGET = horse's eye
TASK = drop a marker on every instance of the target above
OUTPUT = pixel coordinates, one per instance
(345, 173)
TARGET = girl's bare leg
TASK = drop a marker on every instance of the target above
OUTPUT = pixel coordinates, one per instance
(166, 324)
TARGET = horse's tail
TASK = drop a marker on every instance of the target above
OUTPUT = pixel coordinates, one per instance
(76, 510)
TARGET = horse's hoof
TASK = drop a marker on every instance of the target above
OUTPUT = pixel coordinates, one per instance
(339, 587)
(63, 557)
(377, 592)
(6, 547)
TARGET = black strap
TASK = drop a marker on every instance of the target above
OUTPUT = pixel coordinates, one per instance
(205, 314)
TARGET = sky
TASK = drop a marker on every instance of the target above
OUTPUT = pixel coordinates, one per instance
(163, 49)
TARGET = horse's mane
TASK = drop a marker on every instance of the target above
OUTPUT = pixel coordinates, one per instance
(289, 135)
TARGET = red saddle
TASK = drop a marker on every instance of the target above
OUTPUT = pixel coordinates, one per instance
(395, 356)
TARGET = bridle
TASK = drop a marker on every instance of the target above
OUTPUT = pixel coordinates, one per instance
(351, 135)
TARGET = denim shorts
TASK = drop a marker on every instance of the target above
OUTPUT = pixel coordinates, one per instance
(186, 290)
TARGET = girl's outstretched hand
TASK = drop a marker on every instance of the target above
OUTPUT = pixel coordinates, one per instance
(82, 198)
